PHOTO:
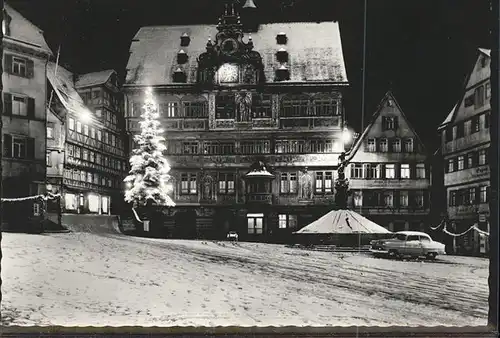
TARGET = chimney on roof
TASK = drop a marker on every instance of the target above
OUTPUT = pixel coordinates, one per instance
(249, 14)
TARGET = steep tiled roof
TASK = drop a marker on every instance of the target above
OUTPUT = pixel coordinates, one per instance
(62, 82)
(21, 29)
(314, 49)
(449, 118)
(93, 79)
(360, 140)
(485, 51)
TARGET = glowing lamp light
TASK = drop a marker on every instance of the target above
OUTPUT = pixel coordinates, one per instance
(346, 135)
(85, 116)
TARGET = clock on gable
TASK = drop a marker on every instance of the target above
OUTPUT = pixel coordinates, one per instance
(228, 73)
(229, 46)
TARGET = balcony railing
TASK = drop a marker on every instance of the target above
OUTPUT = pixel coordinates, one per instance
(260, 198)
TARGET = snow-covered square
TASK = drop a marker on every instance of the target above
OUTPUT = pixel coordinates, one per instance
(82, 279)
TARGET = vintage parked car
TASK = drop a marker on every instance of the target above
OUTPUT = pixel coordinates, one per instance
(232, 236)
(408, 243)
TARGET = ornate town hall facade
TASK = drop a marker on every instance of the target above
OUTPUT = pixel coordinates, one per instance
(253, 117)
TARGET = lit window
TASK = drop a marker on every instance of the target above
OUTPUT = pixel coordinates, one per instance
(396, 145)
(372, 145)
(420, 170)
(226, 183)
(405, 171)
(19, 105)
(483, 194)
(78, 127)
(482, 157)
(409, 145)
(403, 198)
(471, 160)
(389, 171)
(188, 184)
(383, 145)
(255, 223)
(86, 130)
(472, 196)
(358, 198)
(451, 165)
(49, 160)
(461, 162)
(288, 183)
(287, 221)
(71, 124)
(93, 203)
(50, 132)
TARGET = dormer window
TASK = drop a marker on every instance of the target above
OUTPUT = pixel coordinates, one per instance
(179, 76)
(484, 61)
(281, 38)
(282, 74)
(6, 23)
(182, 57)
(185, 40)
(282, 55)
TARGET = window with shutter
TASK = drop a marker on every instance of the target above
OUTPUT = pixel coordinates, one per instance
(7, 99)
(31, 107)
(7, 145)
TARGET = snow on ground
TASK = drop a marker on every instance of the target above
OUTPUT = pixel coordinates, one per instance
(82, 279)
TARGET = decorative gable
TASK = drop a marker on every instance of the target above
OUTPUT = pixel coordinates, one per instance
(388, 132)
(230, 60)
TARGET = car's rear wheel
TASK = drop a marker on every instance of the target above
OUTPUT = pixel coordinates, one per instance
(394, 254)
(431, 255)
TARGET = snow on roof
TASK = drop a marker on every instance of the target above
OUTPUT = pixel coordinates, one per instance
(412, 233)
(485, 51)
(23, 30)
(94, 78)
(62, 82)
(343, 222)
(315, 52)
(449, 118)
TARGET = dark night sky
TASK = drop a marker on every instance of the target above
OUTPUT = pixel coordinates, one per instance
(420, 49)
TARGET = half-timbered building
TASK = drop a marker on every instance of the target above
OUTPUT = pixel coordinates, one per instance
(253, 115)
(465, 143)
(90, 121)
(389, 171)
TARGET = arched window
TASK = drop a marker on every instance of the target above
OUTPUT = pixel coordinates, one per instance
(295, 106)
(325, 105)
(194, 107)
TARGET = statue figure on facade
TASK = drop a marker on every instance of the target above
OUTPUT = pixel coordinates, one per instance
(341, 184)
(244, 106)
(306, 191)
(207, 188)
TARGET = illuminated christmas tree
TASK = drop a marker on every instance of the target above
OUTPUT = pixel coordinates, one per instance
(147, 182)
